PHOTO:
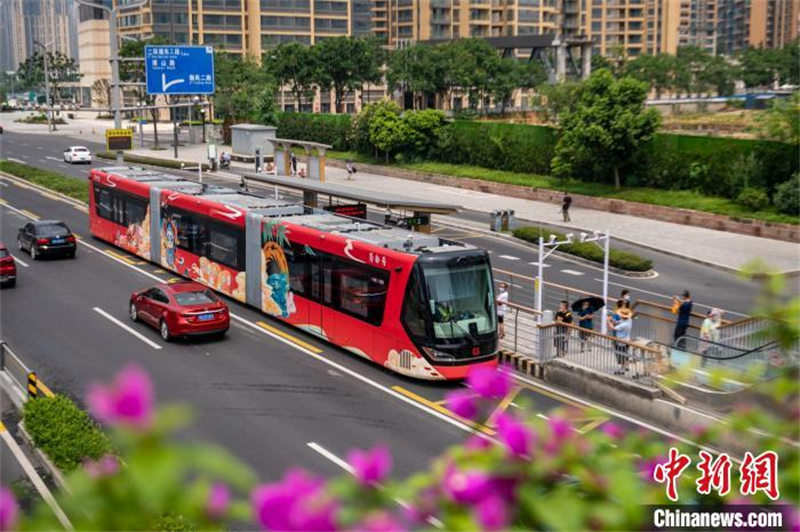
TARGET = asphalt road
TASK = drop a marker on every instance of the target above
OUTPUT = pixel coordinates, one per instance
(709, 287)
(265, 392)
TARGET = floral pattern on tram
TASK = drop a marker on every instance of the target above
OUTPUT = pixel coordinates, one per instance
(276, 297)
(169, 237)
(407, 363)
(136, 238)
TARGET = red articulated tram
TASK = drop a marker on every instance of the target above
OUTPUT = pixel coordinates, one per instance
(414, 303)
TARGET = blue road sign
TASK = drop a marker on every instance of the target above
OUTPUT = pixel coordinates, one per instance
(179, 69)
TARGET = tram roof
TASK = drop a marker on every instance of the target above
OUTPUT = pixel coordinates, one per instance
(385, 236)
(381, 199)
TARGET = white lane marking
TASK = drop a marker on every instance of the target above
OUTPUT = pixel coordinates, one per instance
(347, 467)
(21, 263)
(16, 160)
(509, 257)
(35, 479)
(137, 334)
(3, 184)
(332, 457)
(54, 158)
(39, 148)
(572, 272)
(537, 264)
(668, 297)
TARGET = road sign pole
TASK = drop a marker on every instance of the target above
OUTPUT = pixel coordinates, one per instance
(116, 89)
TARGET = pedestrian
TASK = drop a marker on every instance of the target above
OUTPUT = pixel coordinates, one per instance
(502, 309)
(563, 316)
(625, 295)
(585, 317)
(565, 204)
(709, 331)
(294, 163)
(613, 318)
(684, 311)
(350, 170)
(622, 331)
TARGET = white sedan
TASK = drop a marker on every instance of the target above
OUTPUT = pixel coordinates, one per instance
(77, 154)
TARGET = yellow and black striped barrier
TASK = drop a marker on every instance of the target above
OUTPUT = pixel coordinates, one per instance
(33, 389)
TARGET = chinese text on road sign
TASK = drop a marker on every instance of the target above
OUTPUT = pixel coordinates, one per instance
(179, 69)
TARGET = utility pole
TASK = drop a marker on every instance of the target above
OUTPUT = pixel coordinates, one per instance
(116, 90)
(48, 108)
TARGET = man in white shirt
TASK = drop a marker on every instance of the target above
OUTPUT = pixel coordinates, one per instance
(502, 308)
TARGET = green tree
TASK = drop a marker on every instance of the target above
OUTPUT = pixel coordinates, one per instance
(555, 100)
(507, 75)
(757, 67)
(102, 91)
(294, 65)
(387, 131)
(345, 64)
(690, 64)
(61, 69)
(782, 121)
(475, 61)
(133, 72)
(720, 74)
(240, 89)
(655, 70)
(606, 125)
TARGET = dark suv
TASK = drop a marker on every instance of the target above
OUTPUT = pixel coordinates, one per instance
(46, 237)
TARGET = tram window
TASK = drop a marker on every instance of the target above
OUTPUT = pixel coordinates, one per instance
(134, 210)
(191, 234)
(300, 269)
(223, 247)
(362, 291)
(103, 206)
(414, 307)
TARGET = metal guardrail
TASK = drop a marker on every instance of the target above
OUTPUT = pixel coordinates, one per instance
(521, 331)
(13, 366)
(598, 352)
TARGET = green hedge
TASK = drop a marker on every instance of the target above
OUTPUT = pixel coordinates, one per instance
(617, 258)
(64, 432)
(153, 161)
(323, 128)
(69, 186)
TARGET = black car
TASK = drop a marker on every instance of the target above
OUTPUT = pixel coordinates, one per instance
(46, 237)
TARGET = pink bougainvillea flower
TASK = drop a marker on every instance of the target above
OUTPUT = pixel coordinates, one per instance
(219, 500)
(516, 437)
(612, 430)
(492, 513)
(560, 428)
(466, 487)
(371, 467)
(462, 403)
(477, 443)
(127, 401)
(105, 466)
(380, 522)
(647, 467)
(489, 382)
(297, 502)
(8, 509)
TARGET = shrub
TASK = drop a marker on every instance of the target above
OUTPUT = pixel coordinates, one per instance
(617, 258)
(787, 196)
(152, 161)
(423, 131)
(64, 432)
(323, 128)
(69, 186)
(753, 198)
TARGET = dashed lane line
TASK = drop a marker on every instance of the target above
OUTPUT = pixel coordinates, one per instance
(34, 477)
(20, 262)
(13, 160)
(54, 159)
(571, 272)
(121, 325)
(537, 264)
(508, 257)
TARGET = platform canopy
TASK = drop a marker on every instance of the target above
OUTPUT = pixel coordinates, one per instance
(381, 199)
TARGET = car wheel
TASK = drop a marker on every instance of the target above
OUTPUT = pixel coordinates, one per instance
(164, 328)
(133, 312)
(33, 253)
(19, 243)
(11, 283)
(71, 255)
(222, 334)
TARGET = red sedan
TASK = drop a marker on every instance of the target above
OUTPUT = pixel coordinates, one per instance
(8, 268)
(181, 309)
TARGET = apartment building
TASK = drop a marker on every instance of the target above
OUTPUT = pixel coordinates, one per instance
(758, 23)
(24, 22)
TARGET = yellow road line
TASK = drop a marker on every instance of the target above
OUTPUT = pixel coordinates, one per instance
(4, 202)
(173, 280)
(81, 208)
(503, 406)
(29, 213)
(443, 410)
(593, 425)
(49, 196)
(119, 256)
(45, 390)
(159, 270)
(289, 337)
(444, 401)
(552, 395)
(2, 427)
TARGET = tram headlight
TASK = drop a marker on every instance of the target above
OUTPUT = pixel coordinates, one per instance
(438, 356)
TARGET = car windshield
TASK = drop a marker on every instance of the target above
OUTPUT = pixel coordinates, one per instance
(3, 253)
(460, 297)
(195, 298)
(52, 230)
(80, 149)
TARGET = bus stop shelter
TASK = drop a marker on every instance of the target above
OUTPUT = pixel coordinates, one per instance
(422, 209)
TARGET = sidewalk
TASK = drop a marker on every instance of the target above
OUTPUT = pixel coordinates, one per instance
(727, 251)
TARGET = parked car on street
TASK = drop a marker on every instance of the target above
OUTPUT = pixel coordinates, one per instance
(8, 268)
(77, 154)
(180, 310)
(46, 237)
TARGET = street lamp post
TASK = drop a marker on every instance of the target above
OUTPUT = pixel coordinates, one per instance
(48, 108)
(116, 92)
(139, 115)
(606, 239)
(203, 119)
(552, 243)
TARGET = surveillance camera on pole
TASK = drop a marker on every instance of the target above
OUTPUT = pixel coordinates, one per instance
(552, 243)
